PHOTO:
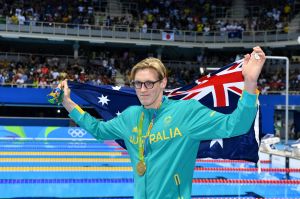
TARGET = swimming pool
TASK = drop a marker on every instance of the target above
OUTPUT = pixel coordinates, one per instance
(71, 169)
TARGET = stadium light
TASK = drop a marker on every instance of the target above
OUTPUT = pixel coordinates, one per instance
(287, 65)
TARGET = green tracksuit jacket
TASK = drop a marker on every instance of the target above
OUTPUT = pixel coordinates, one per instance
(173, 142)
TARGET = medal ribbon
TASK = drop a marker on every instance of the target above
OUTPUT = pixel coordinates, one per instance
(140, 133)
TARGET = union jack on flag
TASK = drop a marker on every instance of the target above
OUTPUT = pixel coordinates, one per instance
(218, 84)
(220, 91)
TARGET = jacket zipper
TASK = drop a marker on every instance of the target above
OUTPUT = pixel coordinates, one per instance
(177, 182)
(146, 196)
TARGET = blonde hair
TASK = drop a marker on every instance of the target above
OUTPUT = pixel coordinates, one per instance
(150, 62)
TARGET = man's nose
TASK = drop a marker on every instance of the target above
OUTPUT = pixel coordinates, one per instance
(143, 88)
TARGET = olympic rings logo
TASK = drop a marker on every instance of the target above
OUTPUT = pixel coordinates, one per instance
(77, 132)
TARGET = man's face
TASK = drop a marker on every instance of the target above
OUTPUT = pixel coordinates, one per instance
(149, 97)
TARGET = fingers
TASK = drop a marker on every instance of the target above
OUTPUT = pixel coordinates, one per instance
(60, 85)
(66, 88)
(258, 54)
(257, 48)
(256, 57)
(246, 58)
(63, 85)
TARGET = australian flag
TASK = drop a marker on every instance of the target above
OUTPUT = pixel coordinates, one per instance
(219, 91)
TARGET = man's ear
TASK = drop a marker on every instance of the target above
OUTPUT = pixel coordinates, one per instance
(163, 83)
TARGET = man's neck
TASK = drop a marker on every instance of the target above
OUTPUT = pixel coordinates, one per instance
(156, 104)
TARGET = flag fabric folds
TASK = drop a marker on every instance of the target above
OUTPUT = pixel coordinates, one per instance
(219, 91)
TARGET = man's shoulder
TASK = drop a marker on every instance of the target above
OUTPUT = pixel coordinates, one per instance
(184, 103)
(132, 109)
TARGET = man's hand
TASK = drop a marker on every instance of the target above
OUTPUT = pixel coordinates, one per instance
(67, 102)
(64, 86)
(252, 67)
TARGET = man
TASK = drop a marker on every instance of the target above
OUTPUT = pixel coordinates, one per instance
(162, 136)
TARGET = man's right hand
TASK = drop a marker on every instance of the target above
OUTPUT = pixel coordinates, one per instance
(67, 102)
(64, 86)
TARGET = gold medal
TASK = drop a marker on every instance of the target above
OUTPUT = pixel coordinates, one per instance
(141, 168)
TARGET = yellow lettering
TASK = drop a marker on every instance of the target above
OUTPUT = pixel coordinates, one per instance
(133, 140)
(171, 133)
(158, 137)
(152, 138)
(136, 141)
(177, 132)
(164, 135)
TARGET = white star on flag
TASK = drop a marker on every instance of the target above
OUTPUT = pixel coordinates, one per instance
(117, 88)
(220, 141)
(118, 113)
(103, 100)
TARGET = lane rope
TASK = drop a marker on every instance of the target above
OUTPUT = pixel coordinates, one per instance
(130, 180)
(226, 169)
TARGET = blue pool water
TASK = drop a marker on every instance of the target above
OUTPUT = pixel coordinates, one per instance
(36, 169)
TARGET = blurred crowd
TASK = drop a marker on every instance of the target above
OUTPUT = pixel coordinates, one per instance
(42, 72)
(273, 81)
(114, 69)
(207, 16)
(202, 16)
(63, 11)
(270, 15)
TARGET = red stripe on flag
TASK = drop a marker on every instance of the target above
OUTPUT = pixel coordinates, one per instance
(234, 66)
(236, 89)
(190, 96)
(220, 95)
